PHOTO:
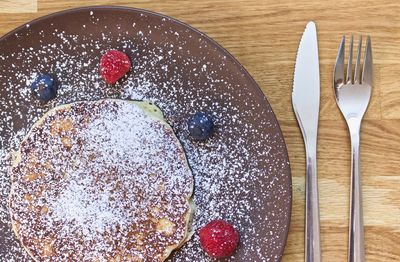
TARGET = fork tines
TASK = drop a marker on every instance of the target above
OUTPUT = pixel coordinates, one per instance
(358, 78)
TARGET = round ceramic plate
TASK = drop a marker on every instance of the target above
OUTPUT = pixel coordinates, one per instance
(241, 173)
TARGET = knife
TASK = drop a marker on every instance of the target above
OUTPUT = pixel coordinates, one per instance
(305, 100)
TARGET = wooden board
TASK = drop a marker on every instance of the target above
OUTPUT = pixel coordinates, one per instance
(264, 35)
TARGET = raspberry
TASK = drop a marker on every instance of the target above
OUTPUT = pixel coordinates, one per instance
(219, 239)
(114, 65)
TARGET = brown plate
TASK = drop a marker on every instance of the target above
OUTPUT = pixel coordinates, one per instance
(242, 173)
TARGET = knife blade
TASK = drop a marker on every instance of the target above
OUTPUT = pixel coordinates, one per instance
(305, 101)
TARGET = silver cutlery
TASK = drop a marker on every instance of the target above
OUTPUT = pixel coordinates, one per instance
(353, 92)
(305, 100)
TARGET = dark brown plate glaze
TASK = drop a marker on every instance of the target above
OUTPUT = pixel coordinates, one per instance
(242, 173)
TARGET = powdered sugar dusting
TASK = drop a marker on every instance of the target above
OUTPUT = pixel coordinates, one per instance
(241, 173)
(78, 205)
(98, 179)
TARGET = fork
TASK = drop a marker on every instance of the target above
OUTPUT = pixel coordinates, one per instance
(352, 97)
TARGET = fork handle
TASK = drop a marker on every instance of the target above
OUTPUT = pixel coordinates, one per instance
(312, 234)
(356, 227)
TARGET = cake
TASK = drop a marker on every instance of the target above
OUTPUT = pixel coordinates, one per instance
(99, 181)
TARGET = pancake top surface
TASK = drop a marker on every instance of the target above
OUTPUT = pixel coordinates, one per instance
(96, 181)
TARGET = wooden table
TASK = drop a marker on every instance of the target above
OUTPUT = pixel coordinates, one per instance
(263, 35)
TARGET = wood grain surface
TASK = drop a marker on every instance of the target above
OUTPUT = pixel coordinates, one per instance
(18, 6)
(264, 35)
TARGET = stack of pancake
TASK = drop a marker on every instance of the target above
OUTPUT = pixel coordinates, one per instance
(101, 181)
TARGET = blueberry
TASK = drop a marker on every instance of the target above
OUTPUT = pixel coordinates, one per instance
(200, 126)
(44, 87)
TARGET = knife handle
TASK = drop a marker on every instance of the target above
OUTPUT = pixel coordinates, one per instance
(312, 234)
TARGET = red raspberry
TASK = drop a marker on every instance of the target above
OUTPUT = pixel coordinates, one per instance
(114, 65)
(219, 239)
